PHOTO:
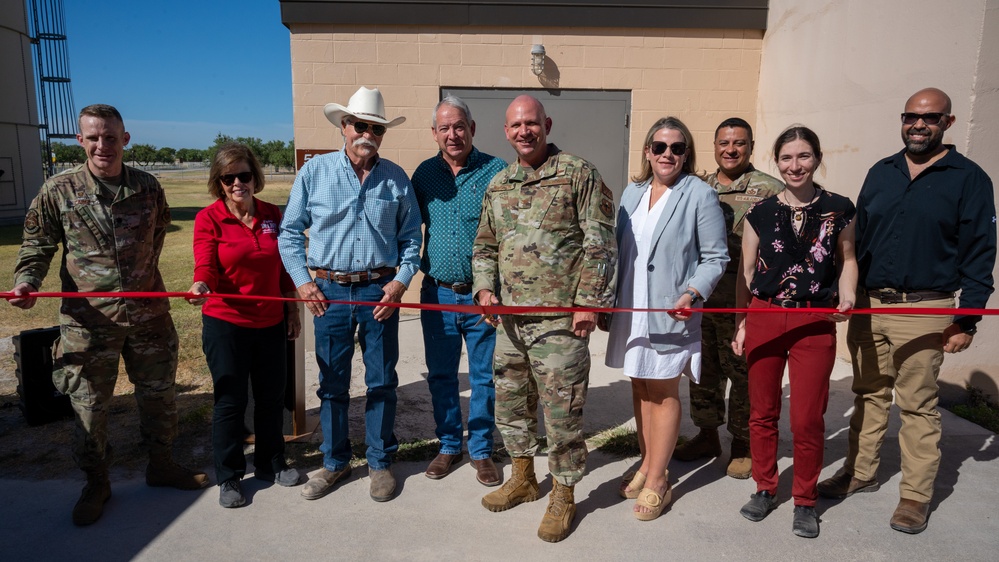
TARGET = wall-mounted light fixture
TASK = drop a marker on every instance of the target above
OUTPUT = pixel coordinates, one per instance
(537, 59)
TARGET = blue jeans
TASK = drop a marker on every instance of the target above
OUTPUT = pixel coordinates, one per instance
(442, 335)
(334, 351)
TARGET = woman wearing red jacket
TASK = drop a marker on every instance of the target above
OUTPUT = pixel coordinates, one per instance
(235, 252)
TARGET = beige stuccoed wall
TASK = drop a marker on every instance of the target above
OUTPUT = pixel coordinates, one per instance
(846, 67)
(702, 76)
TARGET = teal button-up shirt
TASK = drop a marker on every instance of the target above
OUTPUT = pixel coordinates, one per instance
(451, 205)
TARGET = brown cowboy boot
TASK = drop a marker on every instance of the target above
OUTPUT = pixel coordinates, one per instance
(521, 487)
(557, 522)
(96, 493)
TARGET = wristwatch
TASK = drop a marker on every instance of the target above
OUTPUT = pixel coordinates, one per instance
(694, 297)
(970, 331)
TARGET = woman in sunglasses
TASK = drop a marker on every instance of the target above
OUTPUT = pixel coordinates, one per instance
(797, 253)
(672, 252)
(235, 252)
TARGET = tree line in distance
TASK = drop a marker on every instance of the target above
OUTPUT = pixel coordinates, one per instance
(275, 153)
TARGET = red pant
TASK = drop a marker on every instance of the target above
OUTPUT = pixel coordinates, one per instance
(806, 343)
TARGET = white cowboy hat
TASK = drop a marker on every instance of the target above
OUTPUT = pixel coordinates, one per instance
(366, 105)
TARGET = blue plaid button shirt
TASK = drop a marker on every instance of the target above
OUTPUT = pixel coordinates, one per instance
(352, 227)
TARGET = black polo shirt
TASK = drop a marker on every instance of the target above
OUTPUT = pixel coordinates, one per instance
(936, 232)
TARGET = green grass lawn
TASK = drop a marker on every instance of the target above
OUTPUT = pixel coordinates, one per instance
(186, 196)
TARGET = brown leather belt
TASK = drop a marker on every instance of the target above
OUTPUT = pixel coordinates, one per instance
(345, 278)
(459, 288)
(891, 296)
(787, 303)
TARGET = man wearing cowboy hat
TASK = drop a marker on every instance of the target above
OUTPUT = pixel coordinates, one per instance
(364, 223)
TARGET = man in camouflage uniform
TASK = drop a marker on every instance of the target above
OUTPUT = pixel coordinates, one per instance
(111, 221)
(546, 239)
(739, 186)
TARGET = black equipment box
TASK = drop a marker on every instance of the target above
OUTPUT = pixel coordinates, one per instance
(40, 402)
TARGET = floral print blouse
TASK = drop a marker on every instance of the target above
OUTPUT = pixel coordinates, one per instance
(798, 266)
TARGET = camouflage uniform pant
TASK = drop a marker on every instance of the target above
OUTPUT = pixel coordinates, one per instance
(539, 358)
(719, 365)
(86, 368)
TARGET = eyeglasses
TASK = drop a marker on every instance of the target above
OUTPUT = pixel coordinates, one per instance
(243, 177)
(928, 118)
(658, 148)
(361, 126)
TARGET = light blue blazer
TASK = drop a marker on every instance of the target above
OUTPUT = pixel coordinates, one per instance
(690, 249)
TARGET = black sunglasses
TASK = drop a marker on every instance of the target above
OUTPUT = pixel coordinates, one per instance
(361, 126)
(658, 148)
(243, 177)
(928, 118)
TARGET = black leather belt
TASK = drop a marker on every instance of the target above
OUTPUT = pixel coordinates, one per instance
(787, 303)
(460, 288)
(345, 278)
(891, 296)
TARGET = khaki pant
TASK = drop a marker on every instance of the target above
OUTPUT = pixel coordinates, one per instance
(901, 353)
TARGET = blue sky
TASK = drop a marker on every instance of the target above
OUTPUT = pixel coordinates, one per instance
(181, 71)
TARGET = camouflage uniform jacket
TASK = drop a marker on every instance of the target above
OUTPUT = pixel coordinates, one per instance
(736, 199)
(546, 236)
(110, 244)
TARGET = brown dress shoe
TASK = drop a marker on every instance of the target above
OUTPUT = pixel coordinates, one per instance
(910, 516)
(485, 472)
(441, 465)
(844, 485)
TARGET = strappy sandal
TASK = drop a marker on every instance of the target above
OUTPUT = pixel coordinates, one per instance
(631, 484)
(648, 498)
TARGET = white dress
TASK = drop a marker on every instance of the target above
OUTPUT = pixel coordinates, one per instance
(629, 346)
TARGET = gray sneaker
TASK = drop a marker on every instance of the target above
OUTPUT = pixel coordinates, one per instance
(759, 506)
(286, 477)
(322, 483)
(231, 494)
(806, 522)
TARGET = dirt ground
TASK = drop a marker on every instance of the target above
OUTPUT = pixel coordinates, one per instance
(43, 452)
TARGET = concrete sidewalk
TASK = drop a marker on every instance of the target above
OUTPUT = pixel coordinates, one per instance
(443, 519)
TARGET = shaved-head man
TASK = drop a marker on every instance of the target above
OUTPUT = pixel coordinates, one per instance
(545, 239)
(926, 228)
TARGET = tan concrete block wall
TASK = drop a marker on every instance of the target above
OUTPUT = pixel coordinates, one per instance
(702, 76)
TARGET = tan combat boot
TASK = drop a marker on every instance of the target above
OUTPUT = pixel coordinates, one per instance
(704, 445)
(557, 521)
(521, 487)
(740, 464)
(162, 471)
(96, 493)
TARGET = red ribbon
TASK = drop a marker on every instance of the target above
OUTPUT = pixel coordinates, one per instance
(502, 309)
